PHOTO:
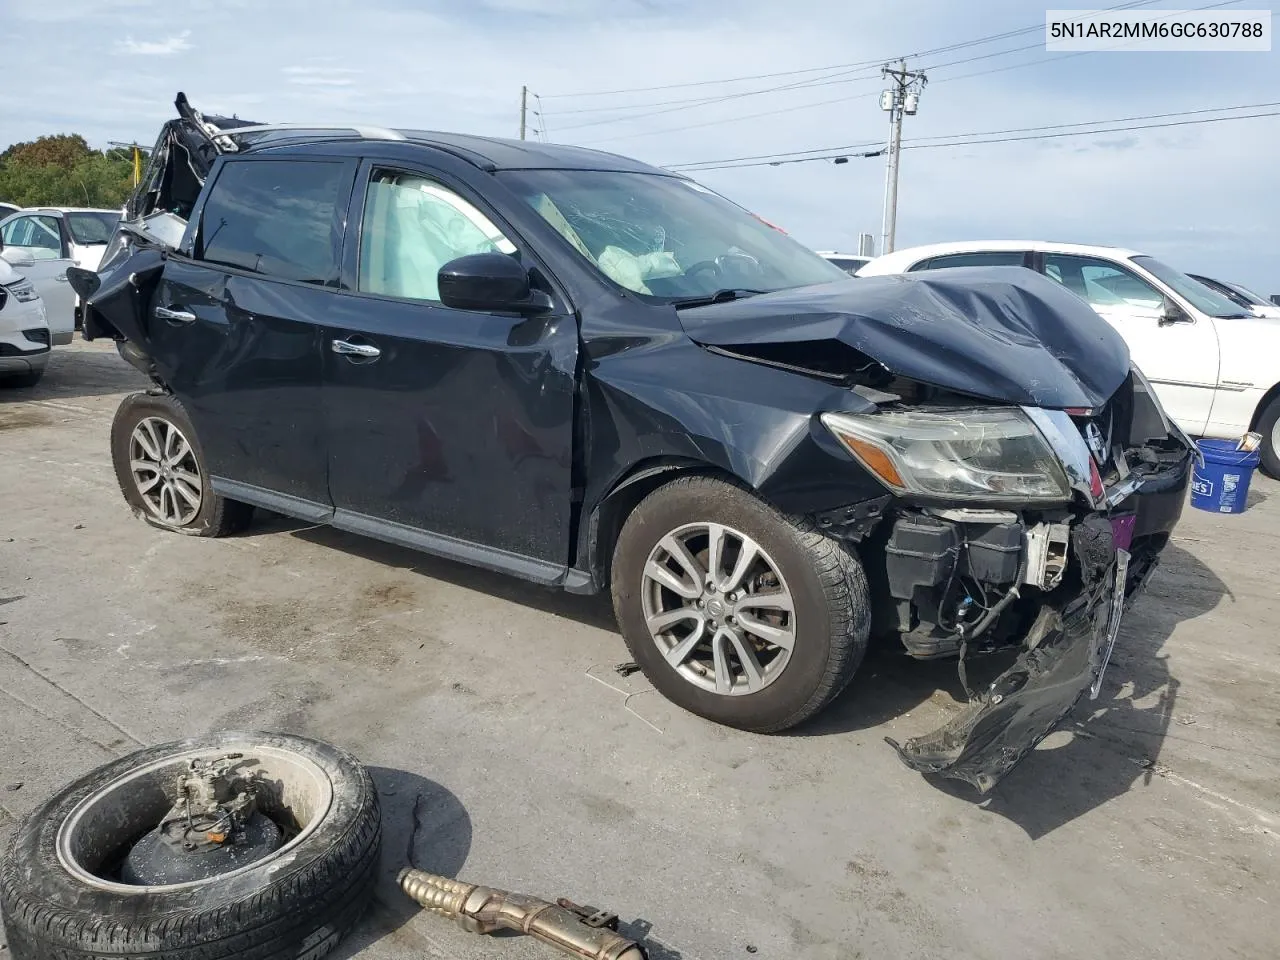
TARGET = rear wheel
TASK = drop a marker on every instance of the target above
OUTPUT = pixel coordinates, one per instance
(160, 468)
(734, 611)
(1269, 427)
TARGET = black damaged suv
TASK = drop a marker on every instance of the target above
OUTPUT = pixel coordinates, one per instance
(594, 374)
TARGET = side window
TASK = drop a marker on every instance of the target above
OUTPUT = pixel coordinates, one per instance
(37, 235)
(990, 258)
(1100, 283)
(275, 217)
(412, 227)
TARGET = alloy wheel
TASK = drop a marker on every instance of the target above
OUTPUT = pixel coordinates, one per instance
(165, 471)
(718, 608)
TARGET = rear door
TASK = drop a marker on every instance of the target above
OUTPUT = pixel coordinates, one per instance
(38, 237)
(237, 324)
(1180, 359)
(449, 430)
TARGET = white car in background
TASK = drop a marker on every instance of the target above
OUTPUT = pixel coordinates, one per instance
(43, 241)
(24, 332)
(851, 263)
(1215, 366)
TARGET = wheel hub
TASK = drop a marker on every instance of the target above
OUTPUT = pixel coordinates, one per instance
(718, 609)
(165, 471)
(212, 829)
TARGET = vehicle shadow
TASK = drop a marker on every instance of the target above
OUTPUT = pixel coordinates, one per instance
(80, 370)
(1100, 750)
(594, 611)
(426, 827)
(423, 825)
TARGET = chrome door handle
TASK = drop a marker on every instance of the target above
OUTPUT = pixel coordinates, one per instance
(177, 316)
(348, 349)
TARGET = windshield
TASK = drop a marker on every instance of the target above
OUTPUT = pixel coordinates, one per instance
(1201, 297)
(668, 238)
(1254, 298)
(92, 227)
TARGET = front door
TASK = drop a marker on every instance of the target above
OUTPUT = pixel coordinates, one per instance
(237, 323)
(1180, 359)
(449, 430)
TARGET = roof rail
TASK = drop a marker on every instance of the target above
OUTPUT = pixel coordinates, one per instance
(371, 133)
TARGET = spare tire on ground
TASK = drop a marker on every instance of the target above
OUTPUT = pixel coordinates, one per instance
(269, 849)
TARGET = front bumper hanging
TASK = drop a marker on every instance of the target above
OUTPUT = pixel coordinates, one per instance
(1064, 655)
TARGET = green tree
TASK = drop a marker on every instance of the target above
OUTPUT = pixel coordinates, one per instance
(63, 171)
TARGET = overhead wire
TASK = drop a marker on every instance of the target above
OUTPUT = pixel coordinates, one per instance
(981, 133)
(844, 154)
(977, 41)
(845, 99)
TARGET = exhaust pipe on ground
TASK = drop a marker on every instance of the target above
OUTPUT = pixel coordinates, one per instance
(583, 932)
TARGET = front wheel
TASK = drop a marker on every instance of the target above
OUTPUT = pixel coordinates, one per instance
(735, 611)
(160, 468)
(1269, 427)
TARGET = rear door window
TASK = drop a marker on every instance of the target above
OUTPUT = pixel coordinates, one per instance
(989, 258)
(279, 218)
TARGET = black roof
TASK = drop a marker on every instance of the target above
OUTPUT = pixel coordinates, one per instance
(488, 153)
(497, 153)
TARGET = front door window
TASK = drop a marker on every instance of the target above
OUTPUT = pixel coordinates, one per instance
(412, 228)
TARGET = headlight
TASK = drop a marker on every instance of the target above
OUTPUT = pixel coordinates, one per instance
(22, 291)
(979, 453)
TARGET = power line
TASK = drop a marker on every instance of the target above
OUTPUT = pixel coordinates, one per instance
(977, 41)
(786, 154)
(706, 101)
(969, 142)
(821, 103)
(745, 116)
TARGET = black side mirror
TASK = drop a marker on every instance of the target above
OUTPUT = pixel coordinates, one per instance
(1171, 313)
(492, 283)
(84, 282)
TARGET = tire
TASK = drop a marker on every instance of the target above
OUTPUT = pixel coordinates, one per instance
(214, 516)
(28, 379)
(1269, 427)
(294, 904)
(829, 623)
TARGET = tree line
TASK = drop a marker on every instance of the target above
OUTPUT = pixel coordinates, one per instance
(62, 170)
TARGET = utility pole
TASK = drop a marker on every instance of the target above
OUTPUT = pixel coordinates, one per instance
(524, 110)
(901, 99)
(135, 155)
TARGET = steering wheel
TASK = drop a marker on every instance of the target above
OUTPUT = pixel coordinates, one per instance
(703, 265)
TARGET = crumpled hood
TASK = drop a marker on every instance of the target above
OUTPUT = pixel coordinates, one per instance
(1002, 333)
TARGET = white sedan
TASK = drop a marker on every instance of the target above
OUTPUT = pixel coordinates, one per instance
(1215, 366)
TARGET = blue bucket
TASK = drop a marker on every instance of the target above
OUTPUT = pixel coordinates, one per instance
(1221, 483)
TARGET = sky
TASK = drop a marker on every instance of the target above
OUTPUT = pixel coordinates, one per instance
(1205, 197)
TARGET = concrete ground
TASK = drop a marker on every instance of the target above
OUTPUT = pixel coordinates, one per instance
(508, 751)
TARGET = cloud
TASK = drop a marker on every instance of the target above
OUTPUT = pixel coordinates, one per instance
(320, 76)
(155, 48)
